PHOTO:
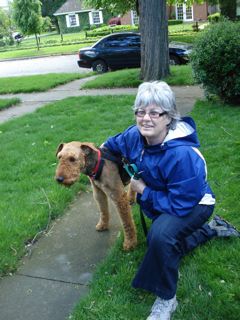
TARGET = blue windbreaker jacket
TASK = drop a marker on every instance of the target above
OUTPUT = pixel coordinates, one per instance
(175, 171)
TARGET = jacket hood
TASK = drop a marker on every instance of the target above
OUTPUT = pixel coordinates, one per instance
(183, 135)
(175, 177)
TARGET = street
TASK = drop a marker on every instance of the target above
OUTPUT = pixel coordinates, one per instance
(54, 64)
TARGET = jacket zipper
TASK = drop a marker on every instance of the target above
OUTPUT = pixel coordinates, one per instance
(141, 156)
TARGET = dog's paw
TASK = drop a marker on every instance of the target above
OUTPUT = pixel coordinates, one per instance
(129, 244)
(101, 227)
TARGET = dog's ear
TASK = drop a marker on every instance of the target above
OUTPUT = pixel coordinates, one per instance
(60, 147)
(88, 148)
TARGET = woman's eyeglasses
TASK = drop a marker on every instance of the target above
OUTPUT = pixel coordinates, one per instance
(152, 114)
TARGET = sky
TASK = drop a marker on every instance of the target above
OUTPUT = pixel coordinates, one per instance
(4, 3)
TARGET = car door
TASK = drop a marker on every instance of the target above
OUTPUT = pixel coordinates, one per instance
(133, 45)
(121, 51)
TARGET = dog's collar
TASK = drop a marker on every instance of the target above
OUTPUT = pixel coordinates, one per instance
(95, 174)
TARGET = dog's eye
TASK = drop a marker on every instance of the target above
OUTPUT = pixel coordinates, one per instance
(72, 159)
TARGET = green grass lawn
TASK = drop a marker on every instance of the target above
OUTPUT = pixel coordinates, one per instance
(7, 103)
(37, 83)
(53, 38)
(209, 282)
(180, 75)
(45, 51)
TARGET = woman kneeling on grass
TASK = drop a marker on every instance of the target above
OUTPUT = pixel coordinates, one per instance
(173, 191)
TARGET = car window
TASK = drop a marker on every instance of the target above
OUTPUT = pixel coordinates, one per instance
(123, 41)
(113, 43)
(134, 41)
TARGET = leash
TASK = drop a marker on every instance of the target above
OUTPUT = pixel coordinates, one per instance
(132, 170)
(143, 222)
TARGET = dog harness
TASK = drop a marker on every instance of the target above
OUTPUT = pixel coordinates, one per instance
(126, 170)
(103, 153)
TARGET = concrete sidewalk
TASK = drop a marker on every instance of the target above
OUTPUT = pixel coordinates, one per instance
(56, 275)
(185, 96)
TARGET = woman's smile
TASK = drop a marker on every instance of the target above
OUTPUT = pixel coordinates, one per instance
(153, 129)
(147, 126)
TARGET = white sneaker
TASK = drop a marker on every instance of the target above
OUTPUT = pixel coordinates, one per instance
(162, 309)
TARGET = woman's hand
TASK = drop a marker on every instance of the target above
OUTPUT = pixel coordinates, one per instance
(138, 185)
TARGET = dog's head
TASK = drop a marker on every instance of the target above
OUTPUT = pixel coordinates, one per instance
(74, 158)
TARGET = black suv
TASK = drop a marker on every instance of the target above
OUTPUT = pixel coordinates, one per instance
(122, 50)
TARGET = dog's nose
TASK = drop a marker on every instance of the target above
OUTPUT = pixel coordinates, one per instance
(60, 179)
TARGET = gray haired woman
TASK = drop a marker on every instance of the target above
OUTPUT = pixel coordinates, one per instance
(172, 191)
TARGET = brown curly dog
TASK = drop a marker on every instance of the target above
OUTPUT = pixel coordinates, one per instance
(83, 157)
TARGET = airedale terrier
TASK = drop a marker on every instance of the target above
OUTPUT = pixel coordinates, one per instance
(83, 157)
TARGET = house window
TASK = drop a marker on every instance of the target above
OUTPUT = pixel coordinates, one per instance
(95, 17)
(238, 7)
(72, 20)
(134, 17)
(179, 14)
(183, 12)
(189, 14)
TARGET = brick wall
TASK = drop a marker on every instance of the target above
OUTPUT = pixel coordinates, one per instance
(126, 19)
(200, 11)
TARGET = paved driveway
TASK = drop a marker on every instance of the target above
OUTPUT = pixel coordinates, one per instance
(54, 64)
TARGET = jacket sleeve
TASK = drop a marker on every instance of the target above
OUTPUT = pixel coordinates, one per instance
(185, 186)
(120, 143)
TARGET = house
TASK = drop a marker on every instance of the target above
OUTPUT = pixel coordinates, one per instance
(73, 16)
(196, 12)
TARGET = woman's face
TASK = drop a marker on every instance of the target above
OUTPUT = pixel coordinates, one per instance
(152, 123)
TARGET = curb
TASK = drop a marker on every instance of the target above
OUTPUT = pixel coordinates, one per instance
(37, 57)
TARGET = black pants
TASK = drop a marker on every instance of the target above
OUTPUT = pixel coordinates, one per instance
(169, 239)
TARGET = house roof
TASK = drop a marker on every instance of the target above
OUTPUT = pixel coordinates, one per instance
(71, 6)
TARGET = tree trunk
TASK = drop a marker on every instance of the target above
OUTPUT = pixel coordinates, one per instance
(154, 40)
(36, 37)
(228, 8)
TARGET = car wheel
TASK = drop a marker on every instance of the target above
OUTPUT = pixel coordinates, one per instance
(174, 60)
(99, 66)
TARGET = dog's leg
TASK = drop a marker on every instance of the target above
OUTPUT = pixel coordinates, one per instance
(131, 195)
(102, 202)
(121, 202)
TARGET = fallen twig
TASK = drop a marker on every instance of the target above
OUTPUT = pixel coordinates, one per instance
(38, 234)
(226, 131)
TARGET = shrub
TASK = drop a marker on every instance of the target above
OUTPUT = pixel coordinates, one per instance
(46, 24)
(51, 41)
(2, 43)
(215, 17)
(174, 22)
(105, 30)
(216, 60)
(86, 27)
